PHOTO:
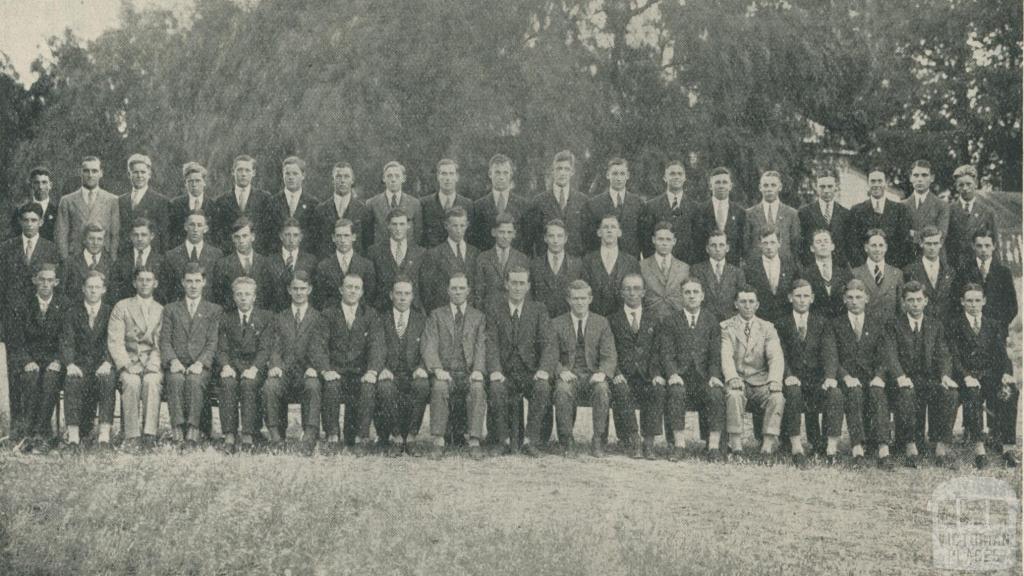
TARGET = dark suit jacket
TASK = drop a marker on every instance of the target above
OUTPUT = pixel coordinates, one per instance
(812, 219)
(598, 345)
(379, 209)
(490, 276)
(224, 211)
(173, 271)
(865, 358)
(828, 295)
(902, 355)
(683, 225)
(279, 275)
(81, 345)
(154, 207)
(441, 263)
(389, 350)
(606, 287)
(177, 214)
(813, 358)
(630, 213)
(982, 355)
(719, 297)
(386, 270)
(704, 224)
(121, 282)
(48, 227)
(321, 242)
(551, 289)
(1000, 294)
(300, 347)
(884, 299)
(328, 277)
(772, 305)
(33, 337)
(933, 210)
(695, 355)
(545, 208)
(962, 226)
(348, 349)
(75, 270)
(18, 284)
(434, 231)
(941, 300)
(895, 221)
(481, 220)
(276, 213)
(637, 353)
(189, 340)
(525, 348)
(230, 267)
(242, 347)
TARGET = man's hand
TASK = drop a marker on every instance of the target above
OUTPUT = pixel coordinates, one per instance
(134, 369)
(949, 383)
(440, 374)
(74, 371)
(597, 377)
(331, 375)
(310, 373)
(774, 386)
(829, 383)
(1009, 380)
(735, 384)
(176, 366)
(31, 367)
(715, 382)
(971, 382)
(104, 369)
(418, 373)
(791, 381)
(541, 375)
(227, 372)
(385, 374)
(658, 381)
(53, 366)
(619, 380)
(275, 372)
(851, 382)
(196, 368)
(567, 376)
(476, 376)
(901, 381)
(250, 373)
(877, 382)
(370, 377)
(497, 376)
(675, 380)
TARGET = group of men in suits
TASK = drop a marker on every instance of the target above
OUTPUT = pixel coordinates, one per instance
(806, 318)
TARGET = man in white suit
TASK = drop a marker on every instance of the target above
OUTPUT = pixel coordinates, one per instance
(90, 203)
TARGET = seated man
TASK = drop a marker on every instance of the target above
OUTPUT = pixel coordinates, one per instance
(133, 339)
(453, 351)
(296, 362)
(188, 343)
(351, 328)
(584, 348)
(90, 378)
(243, 350)
(753, 368)
(93, 257)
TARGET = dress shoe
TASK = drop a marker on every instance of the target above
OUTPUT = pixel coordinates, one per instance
(858, 461)
(910, 461)
(40, 447)
(637, 452)
(648, 452)
(436, 452)
(568, 450)
(476, 452)
(395, 450)
(531, 451)
(104, 447)
(71, 449)
(830, 460)
(947, 461)
(713, 455)
(886, 464)
(800, 460)
(673, 454)
(308, 448)
(980, 461)
(1010, 460)
(229, 449)
(412, 449)
(597, 449)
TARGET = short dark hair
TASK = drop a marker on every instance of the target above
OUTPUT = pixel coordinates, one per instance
(193, 268)
(397, 213)
(719, 171)
(922, 164)
(663, 225)
(505, 217)
(141, 222)
(746, 288)
(241, 222)
(565, 156)
(499, 159)
(30, 207)
(301, 276)
(243, 158)
(39, 171)
(971, 287)
(455, 212)
(517, 269)
(911, 287)
(983, 232)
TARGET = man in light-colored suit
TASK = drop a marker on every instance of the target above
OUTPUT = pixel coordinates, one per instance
(770, 212)
(925, 208)
(188, 343)
(90, 203)
(382, 204)
(882, 281)
(133, 340)
(664, 274)
(585, 348)
(753, 368)
(453, 352)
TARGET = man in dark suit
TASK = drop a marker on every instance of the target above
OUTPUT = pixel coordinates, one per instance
(89, 380)
(188, 343)
(139, 253)
(397, 256)
(562, 202)
(517, 335)
(41, 181)
(90, 203)
(342, 205)
(772, 276)
(194, 200)
(94, 257)
(720, 214)
(499, 199)
(628, 207)
(22, 255)
(296, 363)
(604, 268)
(454, 352)
(720, 279)
(142, 202)
(243, 200)
(810, 386)
(825, 214)
(584, 348)
(925, 208)
(35, 361)
(882, 278)
(403, 386)
(243, 261)
(344, 260)
(826, 276)
(995, 278)
(877, 212)
(289, 259)
(492, 265)
(290, 203)
(552, 272)
(983, 369)
(966, 217)
(934, 273)
(244, 341)
(452, 256)
(673, 207)
(633, 330)
(771, 214)
(435, 207)
(193, 249)
(351, 330)
(391, 198)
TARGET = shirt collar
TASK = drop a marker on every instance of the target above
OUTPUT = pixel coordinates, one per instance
(90, 257)
(982, 263)
(190, 246)
(460, 245)
(801, 318)
(397, 243)
(639, 311)
(343, 257)
(350, 309)
(193, 301)
(242, 315)
(456, 309)
(399, 315)
(609, 251)
(140, 192)
(852, 316)
(576, 319)
(46, 302)
(513, 307)
(239, 190)
(301, 309)
(145, 252)
(286, 252)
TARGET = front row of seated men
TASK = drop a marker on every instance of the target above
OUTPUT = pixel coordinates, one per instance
(386, 367)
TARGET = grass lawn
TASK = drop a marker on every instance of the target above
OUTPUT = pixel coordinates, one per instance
(206, 513)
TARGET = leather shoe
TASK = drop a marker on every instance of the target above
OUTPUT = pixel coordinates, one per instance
(980, 461)
(1010, 460)
(947, 462)
(911, 461)
(531, 451)
(830, 459)
(597, 450)
(411, 449)
(395, 450)
(858, 461)
(673, 453)
(713, 456)
(886, 464)
(648, 452)
(308, 447)
(800, 460)
(476, 452)
(636, 452)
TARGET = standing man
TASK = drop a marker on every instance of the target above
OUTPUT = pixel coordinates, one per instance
(22, 255)
(90, 203)
(563, 203)
(435, 207)
(604, 268)
(244, 200)
(290, 258)
(500, 199)
(344, 260)
(882, 281)
(343, 204)
(663, 274)
(771, 214)
(772, 276)
(675, 208)
(390, 199)
(877, 212)
(244, 261)
(133, 340)
(584, 348)
(453, 351)
(397, 256)
(137, 253)
(721, 279)
(934, 273)
(93, 257)
(552, 272)
(454, 255)
(825, 214)
(492, 265)
(628, 207)
(924, 207)
(827, 278)
(41, 181)
(966, 217)
(994, 278)
(720, 214)
(192, 249)
(142, 202)
(194, 200)
(290, 203)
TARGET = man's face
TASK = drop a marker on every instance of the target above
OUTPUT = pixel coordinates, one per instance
(827, 188)
(401, 296)
(447, 178)
(966, 187)
(291, 238)
(973, 301)
(293, 177)
(746, 304)
(243, 239)
(299, 291)
(45, 281)
(876, 248)
(243, 173)
(944, 196)
(195, 184)
(245, 297)
(914, 303)
(856, 301)
(456, 227)
(351, 290)
(344, 239)
(139, 174)
(458, 291)
(94, 242)
(562, 172)
(931, 246)
(718, 247)
(770, 187)
(555, 239)
(394, 177)
(921, 179)
(93, 289)
(195, 228)
(398, 227)
(664, 242)
(674, 178)
(721, 186)
(579, 301)
(618, 175)
(876, 184)
(145, 283)
(770, 246)
(141, 237)
(501, 176)
(343, 178)
(518, 285)
(41, 186)
(801, 299)
(91, 174)
(609, 232)
(633, 291)
(693, 296)
(983, 248)
(193, 284)
(504, 234)
(822, 246)
(30, 222)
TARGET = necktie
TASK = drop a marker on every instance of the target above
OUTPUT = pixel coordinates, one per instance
(348, 320)
(720, 215)
(193, 255)
(298, 317)
(674, 205)
(968, 206)
(771, 214)
(191, 309)
(245, 321)
(28, 251)
(878, 275)
(393, 201)
(718, 271)
(916, 326)
(458, 252)
(400, 326)
(690, 320)
(243, 200)
(828, 213)
(746, 332)
(92, 261)
(975, 325)
(515, 324)
(579, 330)
(562, 200)
(857, 326)
(634, 323)
(984, 271)
(503, 257)
(459, 317)
(803, 331)
(663, 264)
(773, 280)
(918, 197)
(92, 318)
(245, 265)
(138, 259)
(399, 253)
(933, 275)
(502, 203)
(135, 199)
(290, 262)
